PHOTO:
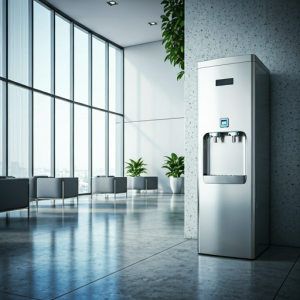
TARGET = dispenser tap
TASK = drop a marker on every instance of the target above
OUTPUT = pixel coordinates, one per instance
(215, 135)
(234, 134)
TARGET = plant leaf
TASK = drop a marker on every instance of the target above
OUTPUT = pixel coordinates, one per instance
(173, 33)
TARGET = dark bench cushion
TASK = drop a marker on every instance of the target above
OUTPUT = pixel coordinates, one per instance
(104, 184)
(14, 194)
(152, 183)
(52, 187)
(139, 183)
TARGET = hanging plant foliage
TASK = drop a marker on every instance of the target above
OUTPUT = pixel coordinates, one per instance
(173, 33)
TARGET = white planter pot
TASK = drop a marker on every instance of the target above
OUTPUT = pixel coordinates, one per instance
(176, 184)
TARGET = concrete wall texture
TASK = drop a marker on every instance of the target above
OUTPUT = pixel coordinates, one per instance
(271, 30)
(154, 109)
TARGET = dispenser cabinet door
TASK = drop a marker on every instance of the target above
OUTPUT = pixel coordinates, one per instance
(226, 218)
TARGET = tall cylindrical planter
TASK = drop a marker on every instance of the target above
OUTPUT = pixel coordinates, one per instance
(176, 184)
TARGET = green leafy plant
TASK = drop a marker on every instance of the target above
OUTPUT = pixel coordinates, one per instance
(173, 32)
(136, 168)
(175, 165)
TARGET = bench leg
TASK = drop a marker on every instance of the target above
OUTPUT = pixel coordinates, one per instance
(146, 186)
(63, 192)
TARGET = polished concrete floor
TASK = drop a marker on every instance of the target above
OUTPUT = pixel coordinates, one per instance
(128, 249)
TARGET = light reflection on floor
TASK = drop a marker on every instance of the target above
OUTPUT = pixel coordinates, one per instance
(59, 249)
(134, 248)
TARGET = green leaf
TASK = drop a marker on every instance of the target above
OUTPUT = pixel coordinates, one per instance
(175, 165)
(173, 33)
(180, 74)
(136, 168)
(174, 156)
(164, 18)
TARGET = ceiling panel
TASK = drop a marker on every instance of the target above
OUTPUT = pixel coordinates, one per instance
(125, 24)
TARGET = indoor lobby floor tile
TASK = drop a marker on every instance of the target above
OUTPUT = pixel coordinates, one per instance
(130, 248)
(180, 273)
(291, 287)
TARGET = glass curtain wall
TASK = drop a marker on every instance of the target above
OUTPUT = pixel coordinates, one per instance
(61, 96)
(63, 146)
(19, 41)
(42, 141)
(19, 127)
(42, 48)
(81, 66)
(100, 69)
(82, 147)
(63, 57)
(115, 79)
(99, 136)
(115, 145)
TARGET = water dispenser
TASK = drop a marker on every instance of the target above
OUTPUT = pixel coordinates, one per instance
(233, 157)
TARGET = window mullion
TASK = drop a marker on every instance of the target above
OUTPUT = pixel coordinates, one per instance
(53, 91)
(6, 88)
(72, 98)
(90, 171)
(107, 108)
(31, 106)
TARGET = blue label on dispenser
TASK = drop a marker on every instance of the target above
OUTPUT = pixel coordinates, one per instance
(224, 122)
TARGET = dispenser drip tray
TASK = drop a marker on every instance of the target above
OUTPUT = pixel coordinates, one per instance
(225, 179)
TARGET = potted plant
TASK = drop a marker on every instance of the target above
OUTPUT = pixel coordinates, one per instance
(175, 165)
(134, 170)
(173, 33)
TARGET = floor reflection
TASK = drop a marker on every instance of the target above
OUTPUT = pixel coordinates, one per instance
(132, 248)
(59, 249)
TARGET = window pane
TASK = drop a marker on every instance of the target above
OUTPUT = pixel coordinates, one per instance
(19, 61)
(62, 57)
(98, 143)
(42, 134)
(81, 147)
(62, 138)
(18, 131)
(115, 145)
(2, 37)
(115, 79)
(2, 127)
(81, 66)
(42, 48)
(99, 79)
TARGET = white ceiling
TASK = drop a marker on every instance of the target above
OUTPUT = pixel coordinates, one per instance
(126, 24)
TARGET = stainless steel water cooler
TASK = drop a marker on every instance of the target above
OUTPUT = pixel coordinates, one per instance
(233, 155)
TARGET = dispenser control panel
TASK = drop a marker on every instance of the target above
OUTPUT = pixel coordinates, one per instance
(224, 122)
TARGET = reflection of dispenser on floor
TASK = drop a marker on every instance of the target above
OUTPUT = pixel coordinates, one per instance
(233, 154)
